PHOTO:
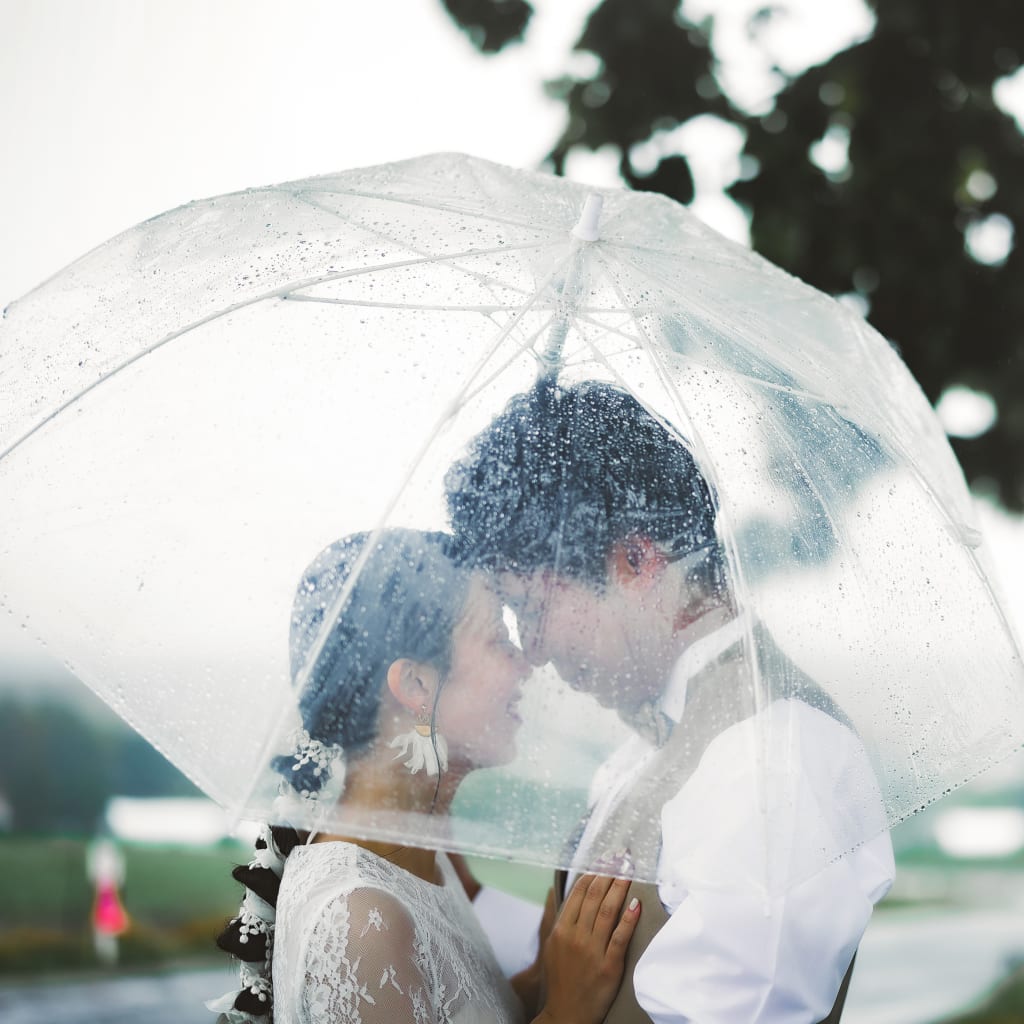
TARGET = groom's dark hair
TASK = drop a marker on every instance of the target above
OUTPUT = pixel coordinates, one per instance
(563, 473)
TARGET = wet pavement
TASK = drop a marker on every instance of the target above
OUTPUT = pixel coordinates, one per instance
(921, 966)
(175, 998)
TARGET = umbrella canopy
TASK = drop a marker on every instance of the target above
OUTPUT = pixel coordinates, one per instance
(199, 406)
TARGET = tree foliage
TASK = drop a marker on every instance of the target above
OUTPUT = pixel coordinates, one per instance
(58, 767)
(655, 72)
(490, 24)
(930, 160)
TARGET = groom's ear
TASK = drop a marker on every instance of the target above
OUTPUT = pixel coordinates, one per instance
(412, 683)
(635, 561)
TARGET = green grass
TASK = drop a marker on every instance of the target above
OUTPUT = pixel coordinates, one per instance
(930, 856)
(1004, 1006)
(522, 880)
(43, 883)
(177, 899)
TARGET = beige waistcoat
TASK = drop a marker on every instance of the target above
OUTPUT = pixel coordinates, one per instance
(717, 697)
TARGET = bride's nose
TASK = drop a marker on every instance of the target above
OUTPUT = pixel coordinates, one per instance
(523, 666)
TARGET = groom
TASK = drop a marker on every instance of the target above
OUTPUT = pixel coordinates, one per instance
(601, 530)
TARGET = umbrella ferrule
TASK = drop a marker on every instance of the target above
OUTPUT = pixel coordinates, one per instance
(586, 229)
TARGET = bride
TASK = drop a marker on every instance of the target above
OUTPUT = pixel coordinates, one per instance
(415, 687)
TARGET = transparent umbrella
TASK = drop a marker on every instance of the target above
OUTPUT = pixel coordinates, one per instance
(197, 408)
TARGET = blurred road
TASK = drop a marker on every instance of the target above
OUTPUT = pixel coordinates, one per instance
(914, 967)
(146, 999)
(920, 966)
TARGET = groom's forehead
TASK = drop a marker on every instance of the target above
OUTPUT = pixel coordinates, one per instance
(519, 586)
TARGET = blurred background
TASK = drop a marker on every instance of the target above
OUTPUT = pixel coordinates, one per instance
(873, 149)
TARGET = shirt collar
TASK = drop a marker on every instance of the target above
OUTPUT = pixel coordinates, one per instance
(696, 657)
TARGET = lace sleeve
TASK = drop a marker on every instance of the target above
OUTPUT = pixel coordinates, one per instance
(362, 965)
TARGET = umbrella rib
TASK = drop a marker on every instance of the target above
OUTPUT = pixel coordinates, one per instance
(464, 390)
(782, 389)
(600, 357)
(956, 529)
(330, 300)
(699, 259)
(488, 193)
(524, 346)
(113, 371)
(580, 358)
(587, 317)
(342, 275)
(481, 277)
(711, 317)
(554, 233)
(614, 353)
(528, 344)
(277, 293)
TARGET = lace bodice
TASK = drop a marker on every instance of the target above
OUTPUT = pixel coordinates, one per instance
(361, 941)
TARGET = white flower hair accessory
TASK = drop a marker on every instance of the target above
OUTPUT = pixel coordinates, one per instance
(302, 807)
(311, 751)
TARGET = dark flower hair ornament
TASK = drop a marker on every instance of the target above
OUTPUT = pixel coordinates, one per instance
(249, 936)
(308, 792)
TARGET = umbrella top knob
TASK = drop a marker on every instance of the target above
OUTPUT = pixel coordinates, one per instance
(586, 227)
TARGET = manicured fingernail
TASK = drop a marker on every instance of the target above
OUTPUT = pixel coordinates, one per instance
(634, 903)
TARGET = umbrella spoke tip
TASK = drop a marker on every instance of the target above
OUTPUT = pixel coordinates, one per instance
(586, 229)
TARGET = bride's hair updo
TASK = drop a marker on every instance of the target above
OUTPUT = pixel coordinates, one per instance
(404, 602)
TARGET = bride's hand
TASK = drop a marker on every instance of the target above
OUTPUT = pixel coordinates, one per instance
(584, 957)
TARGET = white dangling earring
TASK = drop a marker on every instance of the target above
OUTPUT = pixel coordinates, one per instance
(422, 753)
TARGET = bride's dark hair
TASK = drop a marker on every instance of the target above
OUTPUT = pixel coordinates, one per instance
(405, 596)
(405, 603)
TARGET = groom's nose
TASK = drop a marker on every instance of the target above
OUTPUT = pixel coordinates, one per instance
(531, 637)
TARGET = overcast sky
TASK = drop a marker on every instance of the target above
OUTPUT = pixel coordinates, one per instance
(115, 110)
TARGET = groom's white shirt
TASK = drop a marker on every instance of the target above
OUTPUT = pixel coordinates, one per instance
(735, 950)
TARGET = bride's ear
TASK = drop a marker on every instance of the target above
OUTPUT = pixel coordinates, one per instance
(412, 683)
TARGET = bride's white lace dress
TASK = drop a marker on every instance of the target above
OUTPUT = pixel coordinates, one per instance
(359, 940)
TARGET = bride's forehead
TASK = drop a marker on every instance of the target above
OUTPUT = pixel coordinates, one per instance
(483, 602)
